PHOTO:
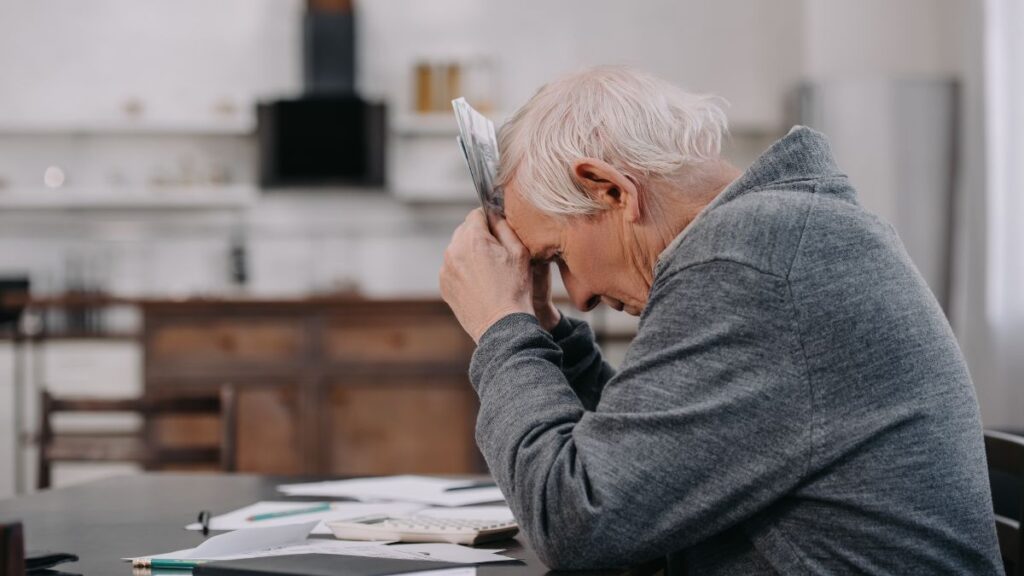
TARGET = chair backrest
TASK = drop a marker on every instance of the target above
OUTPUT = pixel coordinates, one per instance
(225, 405)
(12, 550)
(150, 408)
(1005, 453)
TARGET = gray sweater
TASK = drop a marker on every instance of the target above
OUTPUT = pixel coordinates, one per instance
(794, 402)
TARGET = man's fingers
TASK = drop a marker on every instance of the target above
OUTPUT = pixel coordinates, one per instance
(471, 225)
(476, 219)
(506, 235)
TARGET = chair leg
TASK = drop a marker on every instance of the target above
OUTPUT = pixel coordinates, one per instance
(229, 428)
(45, 437)
(12, 549)
(43, 474)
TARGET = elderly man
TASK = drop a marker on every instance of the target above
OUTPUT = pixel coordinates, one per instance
(794, 401)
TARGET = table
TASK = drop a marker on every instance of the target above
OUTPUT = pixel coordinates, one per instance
(109, 519)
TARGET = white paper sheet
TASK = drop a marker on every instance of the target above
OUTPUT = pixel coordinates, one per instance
(242, 542)
(238, 519)
(435, 552)
(440, 552)
(423, 489)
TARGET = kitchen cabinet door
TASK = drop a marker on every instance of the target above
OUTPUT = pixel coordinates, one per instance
(401, 425)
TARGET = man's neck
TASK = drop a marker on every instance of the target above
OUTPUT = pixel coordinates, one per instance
(684, 208)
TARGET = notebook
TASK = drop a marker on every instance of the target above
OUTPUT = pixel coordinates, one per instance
(329, 565)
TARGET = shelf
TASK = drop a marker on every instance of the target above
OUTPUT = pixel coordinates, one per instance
(236, 127)
(434, 124)
(181, 197)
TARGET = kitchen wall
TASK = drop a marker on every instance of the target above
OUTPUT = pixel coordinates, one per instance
(922, 39)
(146, 109)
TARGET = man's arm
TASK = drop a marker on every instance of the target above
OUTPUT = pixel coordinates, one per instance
(582, 363)
(706, 423)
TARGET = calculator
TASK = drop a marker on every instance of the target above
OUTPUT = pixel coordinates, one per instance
(420, 528)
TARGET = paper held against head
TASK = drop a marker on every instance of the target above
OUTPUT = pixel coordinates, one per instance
(479, 144)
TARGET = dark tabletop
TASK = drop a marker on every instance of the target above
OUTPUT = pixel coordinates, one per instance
(138, 515)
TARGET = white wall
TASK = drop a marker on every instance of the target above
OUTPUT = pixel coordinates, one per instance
(189, 64)
(878, 38)
(1004, 264)
(746, 51)
(871, 39)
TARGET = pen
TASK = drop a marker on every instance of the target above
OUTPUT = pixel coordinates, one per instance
(166, 563)
(204, 521)
(270, 515)
(482, 484)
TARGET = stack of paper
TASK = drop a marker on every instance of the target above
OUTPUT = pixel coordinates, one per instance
(293, 539)
(294, 514)
(420, 489)
(279, 528)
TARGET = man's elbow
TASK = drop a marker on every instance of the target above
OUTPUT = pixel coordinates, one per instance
(566, 547)
(560, 556)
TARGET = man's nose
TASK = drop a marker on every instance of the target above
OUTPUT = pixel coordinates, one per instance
(582, 297)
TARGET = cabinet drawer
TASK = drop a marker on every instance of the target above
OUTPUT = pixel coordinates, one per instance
(415, 341)
(216, 342)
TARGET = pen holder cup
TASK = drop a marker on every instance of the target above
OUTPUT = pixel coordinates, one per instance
(12, 549)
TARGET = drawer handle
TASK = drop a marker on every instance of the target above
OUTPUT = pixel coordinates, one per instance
(228, 343)
(398, 340)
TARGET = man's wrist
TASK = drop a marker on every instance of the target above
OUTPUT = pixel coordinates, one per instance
(548, 316)
(495, 319)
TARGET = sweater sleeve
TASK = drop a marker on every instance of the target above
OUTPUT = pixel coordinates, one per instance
(706, 424)
(582, 363)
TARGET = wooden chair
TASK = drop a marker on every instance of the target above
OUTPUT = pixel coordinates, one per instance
(12, 550)
(1005, 454)
(144, 446)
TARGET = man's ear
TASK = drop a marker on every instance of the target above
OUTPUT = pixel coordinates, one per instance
(608, 186)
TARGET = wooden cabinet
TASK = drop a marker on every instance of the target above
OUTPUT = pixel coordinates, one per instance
(341, 386)
(415, 418)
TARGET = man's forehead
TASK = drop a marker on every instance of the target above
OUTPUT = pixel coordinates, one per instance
(536, 230)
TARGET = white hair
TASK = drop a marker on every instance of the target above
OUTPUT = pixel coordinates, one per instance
(642, 125)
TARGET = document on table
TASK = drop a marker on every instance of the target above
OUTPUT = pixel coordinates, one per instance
(439, 552)
(242, 518)
(293, 539)
(240, 543)
(422, 489)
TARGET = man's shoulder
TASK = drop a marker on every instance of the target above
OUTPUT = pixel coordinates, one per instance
(760, 229)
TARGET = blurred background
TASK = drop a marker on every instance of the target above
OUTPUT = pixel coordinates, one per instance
(221, 221)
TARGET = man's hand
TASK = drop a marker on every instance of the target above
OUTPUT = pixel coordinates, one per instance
(486, 277)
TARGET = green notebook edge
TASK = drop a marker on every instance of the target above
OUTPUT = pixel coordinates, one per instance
(320, 565)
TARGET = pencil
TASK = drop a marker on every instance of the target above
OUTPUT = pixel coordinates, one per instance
(166, 563)
(270, 515)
